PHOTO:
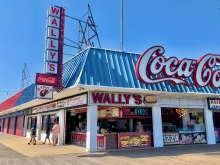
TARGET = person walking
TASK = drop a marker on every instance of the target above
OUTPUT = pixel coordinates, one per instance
(33, 134)
(47, 131)
(55, 131)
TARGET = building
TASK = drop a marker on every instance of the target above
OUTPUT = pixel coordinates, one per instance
(103, 93)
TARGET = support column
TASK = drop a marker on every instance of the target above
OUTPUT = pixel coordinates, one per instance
(157, 126)
(131, 128)
(61, 135)
(91, 136)
(210, 134)
(39, 122)
(25, 126)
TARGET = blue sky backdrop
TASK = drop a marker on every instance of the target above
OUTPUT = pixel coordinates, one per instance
(186, 29)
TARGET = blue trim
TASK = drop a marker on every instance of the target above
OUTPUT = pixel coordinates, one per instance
(8, 124)
(3, 124)
(213, 107)
(15, 124)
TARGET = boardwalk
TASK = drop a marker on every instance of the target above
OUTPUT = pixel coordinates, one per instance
(14, 150)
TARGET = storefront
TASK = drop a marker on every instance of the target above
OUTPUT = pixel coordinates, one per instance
(112, 99)
(13, 123)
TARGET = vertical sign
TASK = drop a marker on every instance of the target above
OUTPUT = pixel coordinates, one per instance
(54, 49)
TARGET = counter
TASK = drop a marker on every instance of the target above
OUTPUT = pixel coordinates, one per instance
(134, 139)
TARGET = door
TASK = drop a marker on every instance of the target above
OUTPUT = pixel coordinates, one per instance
(5, 125)
(11, 125)
(19, 125)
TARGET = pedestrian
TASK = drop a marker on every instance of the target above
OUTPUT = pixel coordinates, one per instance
(55, 131)
(33, 134)
(47, 131)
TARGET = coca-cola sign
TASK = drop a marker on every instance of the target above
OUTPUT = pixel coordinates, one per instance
(46, 79)
(152, 67)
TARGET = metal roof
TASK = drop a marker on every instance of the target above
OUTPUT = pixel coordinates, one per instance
(106, 68)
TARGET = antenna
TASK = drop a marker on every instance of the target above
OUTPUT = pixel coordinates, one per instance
(86, 32)
(25, 77)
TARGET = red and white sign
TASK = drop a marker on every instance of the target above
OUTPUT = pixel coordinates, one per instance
(45, 79)
(105, 98)
(152, 67)
(51, 56)
(53, 22)
(54, 11)
(70, 102)
(52, 33)
(44, 92)
(52, 44)
(51, 67)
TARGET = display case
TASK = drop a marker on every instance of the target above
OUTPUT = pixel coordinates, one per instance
(170, 135)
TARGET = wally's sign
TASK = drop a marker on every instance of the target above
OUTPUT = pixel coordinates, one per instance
(105, 98)
(152, 67)
(213, 103)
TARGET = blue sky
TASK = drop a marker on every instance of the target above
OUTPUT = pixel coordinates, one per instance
(186, 29)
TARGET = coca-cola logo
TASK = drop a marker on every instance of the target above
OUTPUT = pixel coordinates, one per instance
(45, 79)
(152, 67)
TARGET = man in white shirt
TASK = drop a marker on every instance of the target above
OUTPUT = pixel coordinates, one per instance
(55, 131)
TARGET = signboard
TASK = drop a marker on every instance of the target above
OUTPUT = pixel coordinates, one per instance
(44, 92)
(54, 51)
(108, 112)
(106, 98)
(70, 102)
(134, 112)
(153, 67)
(131, 140)
(170, 138)
(45, 79)
(192, 138)
(213, 103)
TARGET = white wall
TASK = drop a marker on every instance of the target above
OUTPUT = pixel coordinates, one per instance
(209, 126)
(61, 135)
(91, 136)
(157, 126)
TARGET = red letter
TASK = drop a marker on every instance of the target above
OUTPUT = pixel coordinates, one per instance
(54, 22)
(138, 99)
(127, 98)
(106, 98)
(52, 32)
(52, 67)
(97, 97)
(52, 54)
(51, 44)
(55, 10)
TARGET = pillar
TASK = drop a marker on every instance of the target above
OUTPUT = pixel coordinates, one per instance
(91, 136)
(210, 134)
(157, 126)
(39, 122)
(131, 128)
(62, 120)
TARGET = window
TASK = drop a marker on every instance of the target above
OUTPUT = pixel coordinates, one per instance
(48, 120)
(32, 121)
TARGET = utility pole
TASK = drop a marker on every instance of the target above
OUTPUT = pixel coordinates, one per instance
(121, 25)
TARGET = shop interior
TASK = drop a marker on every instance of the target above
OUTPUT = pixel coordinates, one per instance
(75, 122)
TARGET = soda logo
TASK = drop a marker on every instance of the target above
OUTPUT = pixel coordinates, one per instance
(152, 67)
(46, 80)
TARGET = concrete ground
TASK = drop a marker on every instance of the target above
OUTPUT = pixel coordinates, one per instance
(15, 150)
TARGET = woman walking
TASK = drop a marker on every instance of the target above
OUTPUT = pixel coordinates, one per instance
(47, 135)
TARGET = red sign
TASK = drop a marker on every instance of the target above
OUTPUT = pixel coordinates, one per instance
(46, 79)
(152, 67)
(130, 140)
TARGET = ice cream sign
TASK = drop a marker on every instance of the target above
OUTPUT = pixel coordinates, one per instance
(213, 103)
(152, 67)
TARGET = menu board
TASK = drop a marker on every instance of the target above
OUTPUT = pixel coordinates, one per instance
(134, 112)
(130, 140)
(108, 112)
(193, 138)
(171, 138)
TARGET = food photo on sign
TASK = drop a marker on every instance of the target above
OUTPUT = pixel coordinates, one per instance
(44, 92)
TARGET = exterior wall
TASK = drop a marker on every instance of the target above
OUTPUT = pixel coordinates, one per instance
(19, 126)
(11, 125)
(5, 125)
